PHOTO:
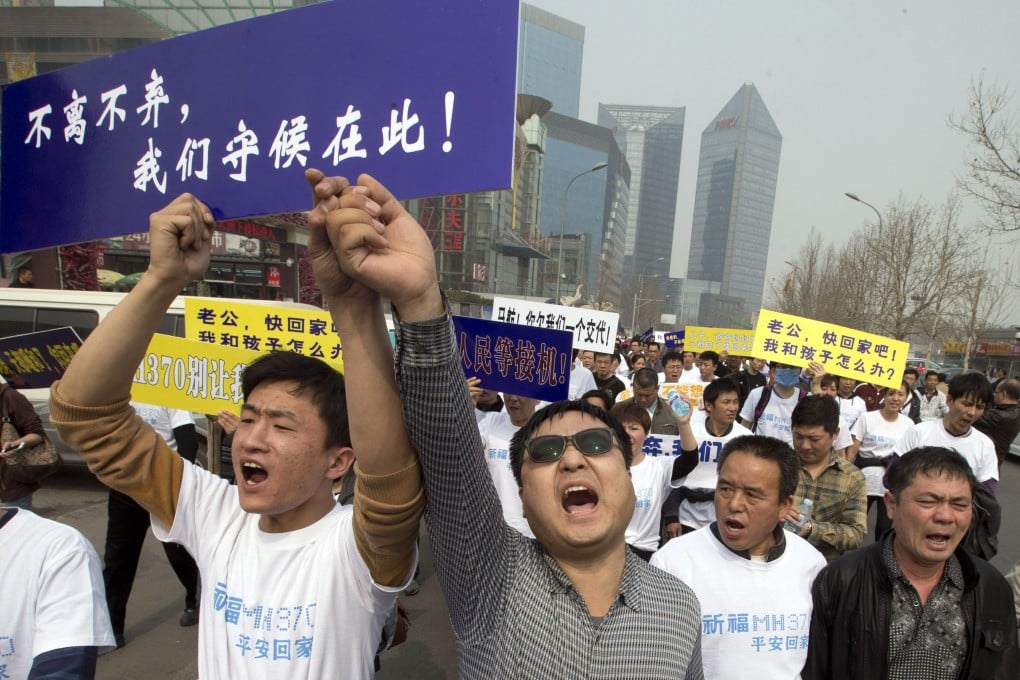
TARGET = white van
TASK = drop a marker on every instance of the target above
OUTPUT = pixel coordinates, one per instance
(28, 310)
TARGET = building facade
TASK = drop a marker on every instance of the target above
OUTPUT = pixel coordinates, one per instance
(651, 138)
(738, 170)
(549, 53)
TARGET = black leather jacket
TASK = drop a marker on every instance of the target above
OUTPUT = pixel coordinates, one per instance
(850, 620)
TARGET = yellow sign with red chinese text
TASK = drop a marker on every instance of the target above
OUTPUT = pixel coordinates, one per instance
(843, 351)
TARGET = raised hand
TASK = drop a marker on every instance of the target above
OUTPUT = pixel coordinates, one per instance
(179, 237)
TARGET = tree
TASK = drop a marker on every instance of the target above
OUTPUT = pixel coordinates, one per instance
(979, 306)
(993, 174)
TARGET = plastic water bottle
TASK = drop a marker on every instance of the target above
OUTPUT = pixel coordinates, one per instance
(805, 514)
(679, 406)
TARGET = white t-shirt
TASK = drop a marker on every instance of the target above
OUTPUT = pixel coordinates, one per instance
(300, 604)
(706, 474)
(53, 593)
(849, 411)
(581, 381)
(651, 478)
(975, 446)
(878, 436)
(163, 420)
(497, 430)
(775, 419)
(690, 376)
(755, 615)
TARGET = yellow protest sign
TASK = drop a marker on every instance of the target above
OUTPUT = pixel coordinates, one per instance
(843, 351)
(263, 328)
(736, 341)
(189, 375)
(693, 393)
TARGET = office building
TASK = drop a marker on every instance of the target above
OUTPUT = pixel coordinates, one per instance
(549, 59)
(735, 194)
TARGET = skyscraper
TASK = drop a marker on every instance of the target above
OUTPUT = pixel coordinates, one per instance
(549, 55)
(735, 194)
(651, 138)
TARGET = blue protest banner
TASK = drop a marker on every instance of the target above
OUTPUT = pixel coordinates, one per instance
(508, 357)
(35, 360)
(421, 95)
(673, 339)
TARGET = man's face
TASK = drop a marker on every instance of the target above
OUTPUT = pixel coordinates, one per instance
(520, 409)
(1000, 396)
(910, 379)
(637, 435)
(688, 360)
(733, 363)
(579, 505)
(645, 396)
(603, 366)
(931, 383)
(588, 360)
(931, 517)
(962, 414)
(672, 370)
(756, 364)
(654, 351)
(25, 276)
(747, 502)
(707, 368)
(283, 468)
(724, 411)
(813, 444)
(846, 387)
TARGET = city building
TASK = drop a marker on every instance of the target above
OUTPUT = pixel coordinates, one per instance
(738, 169)
(651, 138)
(595, 206)
(549, 55)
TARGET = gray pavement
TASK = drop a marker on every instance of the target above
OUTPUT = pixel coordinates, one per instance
(158, 648)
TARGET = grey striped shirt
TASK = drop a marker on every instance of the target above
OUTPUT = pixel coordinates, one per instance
(514, 611)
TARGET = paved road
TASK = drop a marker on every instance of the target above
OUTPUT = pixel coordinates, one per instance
(159, 649)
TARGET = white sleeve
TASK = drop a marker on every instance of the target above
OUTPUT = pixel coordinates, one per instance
(987, 463)
(747, 413)
(843, 439)
(71, 605)
(179, 418)
(907, 442)
(206, 504)
(859, 429)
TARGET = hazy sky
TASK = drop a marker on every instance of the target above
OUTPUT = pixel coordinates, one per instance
(860, 91)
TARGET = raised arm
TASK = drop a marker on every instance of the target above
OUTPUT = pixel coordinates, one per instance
(90, 406)
(389, 500)
(391, 255)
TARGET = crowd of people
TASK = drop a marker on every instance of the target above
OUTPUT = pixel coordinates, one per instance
(562, 546)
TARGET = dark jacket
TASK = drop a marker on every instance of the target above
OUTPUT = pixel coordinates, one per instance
(850, 621)
(1001, 424)
(664, 422)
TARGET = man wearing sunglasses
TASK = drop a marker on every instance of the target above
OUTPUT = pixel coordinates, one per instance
(573, 602)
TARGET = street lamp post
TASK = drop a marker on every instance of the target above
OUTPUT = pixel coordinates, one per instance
(857, 198)
(640, 289)
(563, 221)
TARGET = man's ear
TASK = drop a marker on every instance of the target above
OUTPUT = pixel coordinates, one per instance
(785, 505)
(341, 458)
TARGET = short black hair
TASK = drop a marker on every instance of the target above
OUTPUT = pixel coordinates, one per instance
(910, 370)
(767, 448)
(321, 381)
(828, 379)
(671, 355)
(716, 388)
(930, 461)
(646, 377)
(816, 409)
(598, 394)
(971, 384)
(710, 355)
(556, 409)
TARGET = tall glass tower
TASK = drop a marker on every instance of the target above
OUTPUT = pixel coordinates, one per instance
(549, 55)
(651, 137)
(735, 194)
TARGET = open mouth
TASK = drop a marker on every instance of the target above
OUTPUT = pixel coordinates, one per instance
(579, 500)
(253, 473)
(938, 540)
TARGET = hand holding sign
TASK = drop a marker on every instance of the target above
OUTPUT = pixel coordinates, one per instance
(398, 262)
(179, 237)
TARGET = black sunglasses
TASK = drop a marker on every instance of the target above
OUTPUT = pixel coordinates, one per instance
(549, 448)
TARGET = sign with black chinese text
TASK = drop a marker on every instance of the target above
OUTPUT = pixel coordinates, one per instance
(591, 329)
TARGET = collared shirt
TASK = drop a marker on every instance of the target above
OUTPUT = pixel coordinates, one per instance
(925, 640)
(774, 553)
(839, 517)
(514, 612)
(933, 407)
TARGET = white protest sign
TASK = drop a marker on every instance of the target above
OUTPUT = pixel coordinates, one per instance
(592, 329)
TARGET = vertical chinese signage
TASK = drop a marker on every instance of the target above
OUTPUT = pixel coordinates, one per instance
(453, 222)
